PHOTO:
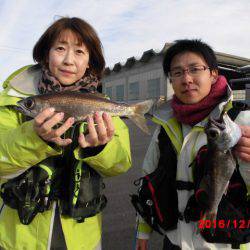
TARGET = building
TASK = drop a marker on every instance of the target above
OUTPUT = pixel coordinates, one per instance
(143, 78)
(246, 81)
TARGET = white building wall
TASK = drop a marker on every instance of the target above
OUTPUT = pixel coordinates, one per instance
(140, 72)
(113, 84)
(143, 78)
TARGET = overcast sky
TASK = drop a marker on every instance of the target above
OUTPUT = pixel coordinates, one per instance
(126, 27)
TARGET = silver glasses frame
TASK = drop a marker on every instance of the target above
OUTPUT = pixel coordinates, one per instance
(182, 72)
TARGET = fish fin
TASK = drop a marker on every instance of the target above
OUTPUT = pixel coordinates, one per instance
(202, 197)
(143, 107)
(161, 100)
(139, 110)
(100, 95)
(211, 216)
(94, 95)
(226, 189)
(140, 121)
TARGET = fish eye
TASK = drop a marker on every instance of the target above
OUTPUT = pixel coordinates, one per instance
(29, 103)
(213, 134)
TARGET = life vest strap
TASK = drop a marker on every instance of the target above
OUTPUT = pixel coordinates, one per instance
(184, 185)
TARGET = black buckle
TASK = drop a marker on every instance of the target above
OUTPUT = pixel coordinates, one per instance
(180, 216)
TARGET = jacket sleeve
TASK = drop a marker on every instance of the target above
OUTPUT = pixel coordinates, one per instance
(20, 146)
(115, 157)
(244, 119)
(152, 156)
(150, 163)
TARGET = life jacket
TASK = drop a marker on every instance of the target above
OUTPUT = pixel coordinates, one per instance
(157, 199)
(73, 184)
(81, 190)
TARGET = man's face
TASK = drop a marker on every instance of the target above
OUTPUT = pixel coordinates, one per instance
(191, 77)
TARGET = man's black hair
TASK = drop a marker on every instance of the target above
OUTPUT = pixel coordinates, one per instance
(186, 45)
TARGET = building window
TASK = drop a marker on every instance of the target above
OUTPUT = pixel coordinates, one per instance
(134, 91)
(109, 92)
(120, 93)
(154, 88)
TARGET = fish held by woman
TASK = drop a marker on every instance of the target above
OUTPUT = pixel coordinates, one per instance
(80, 105)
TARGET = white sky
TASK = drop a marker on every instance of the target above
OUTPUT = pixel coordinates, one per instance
(126, 27)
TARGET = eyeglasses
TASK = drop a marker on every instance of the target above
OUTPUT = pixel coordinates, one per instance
(192, 71)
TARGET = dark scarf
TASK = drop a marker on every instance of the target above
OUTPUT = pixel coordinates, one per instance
(191, 114)
(49, 83)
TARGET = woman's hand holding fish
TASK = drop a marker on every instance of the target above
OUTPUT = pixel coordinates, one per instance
(100, 134)
(44, 123)
(242, 149)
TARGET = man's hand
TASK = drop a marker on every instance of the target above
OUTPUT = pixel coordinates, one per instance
(44, 123)
(242, 149)
(100, 134)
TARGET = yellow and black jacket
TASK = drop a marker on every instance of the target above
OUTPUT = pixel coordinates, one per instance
(21, 148)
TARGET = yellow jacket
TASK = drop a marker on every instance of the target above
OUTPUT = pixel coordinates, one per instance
(21, 148)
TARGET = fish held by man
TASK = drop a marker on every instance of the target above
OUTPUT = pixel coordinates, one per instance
(80, 105)
(222, 135)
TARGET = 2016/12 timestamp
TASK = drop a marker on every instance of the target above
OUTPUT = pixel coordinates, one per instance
(237, 224)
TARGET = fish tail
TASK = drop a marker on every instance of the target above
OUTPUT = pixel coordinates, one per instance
(138, 117)
(140, 121)
(210, 217)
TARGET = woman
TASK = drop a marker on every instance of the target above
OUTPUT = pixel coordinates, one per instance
(199, 92)
(69, 57)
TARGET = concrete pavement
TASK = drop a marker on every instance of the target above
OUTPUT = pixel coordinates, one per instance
(119, 215)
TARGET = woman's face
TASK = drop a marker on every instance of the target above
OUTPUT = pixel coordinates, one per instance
(68, 59)
(191, 78)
